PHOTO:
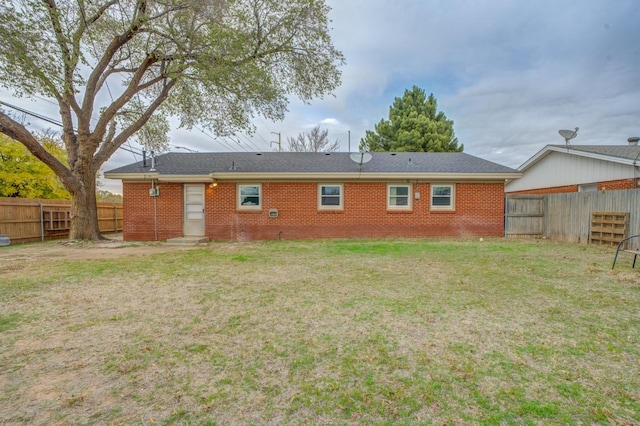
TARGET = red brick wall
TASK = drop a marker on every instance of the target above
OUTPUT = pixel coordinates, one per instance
(138, 210)
(608, 185)
(479, 211)
(553, 190)
(612, 185)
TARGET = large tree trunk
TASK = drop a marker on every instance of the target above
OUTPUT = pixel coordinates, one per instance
(84, 209)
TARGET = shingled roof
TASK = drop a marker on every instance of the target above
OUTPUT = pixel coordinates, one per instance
(313, 165)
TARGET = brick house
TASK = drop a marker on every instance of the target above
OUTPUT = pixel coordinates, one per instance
(259, 196)
(579, 168)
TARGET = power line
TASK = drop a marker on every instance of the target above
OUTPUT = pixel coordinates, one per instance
(221, 142)
(266, 142)
(46, 100)
(130, 150)
(33, 114)
(53, 121)
(242, 146)
(92, 118)
(246, 138)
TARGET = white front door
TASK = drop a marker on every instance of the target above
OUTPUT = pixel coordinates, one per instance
(194, 210)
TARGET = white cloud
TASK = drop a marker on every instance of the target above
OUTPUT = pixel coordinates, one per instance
(330, 121)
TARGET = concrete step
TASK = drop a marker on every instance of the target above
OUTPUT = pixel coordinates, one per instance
(187, 241)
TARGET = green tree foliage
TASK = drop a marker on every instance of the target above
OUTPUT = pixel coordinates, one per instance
(120, 68)
(315, 140)
(22, 175)
(414, 125)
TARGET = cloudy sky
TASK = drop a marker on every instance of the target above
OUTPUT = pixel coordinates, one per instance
(510, 73)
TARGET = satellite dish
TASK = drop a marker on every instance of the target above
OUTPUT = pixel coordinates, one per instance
(360, 157)
(568, 135)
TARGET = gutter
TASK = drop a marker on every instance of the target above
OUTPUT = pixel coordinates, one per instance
(307, 176)
(132, 176)
(319, 176)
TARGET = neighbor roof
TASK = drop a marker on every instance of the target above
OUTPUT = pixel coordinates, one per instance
(624, 154)
(299, 165)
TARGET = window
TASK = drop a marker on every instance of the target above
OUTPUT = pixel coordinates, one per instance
(249, 197)
(330, 197)
(398, 197)
(588, 187)
(442, 197)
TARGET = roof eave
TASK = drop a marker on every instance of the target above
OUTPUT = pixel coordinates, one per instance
(549, 148)
(361, 176)
(185, 178)
(244, 176)
(132, 176)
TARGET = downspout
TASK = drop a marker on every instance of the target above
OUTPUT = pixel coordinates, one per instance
(155, 202)
(155, 213)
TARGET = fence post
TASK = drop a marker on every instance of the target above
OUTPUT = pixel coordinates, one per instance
(115, 218)
(41, 223)
(506, 215)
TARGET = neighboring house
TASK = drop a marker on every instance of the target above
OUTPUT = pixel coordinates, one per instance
(578, 168)
(258, 196)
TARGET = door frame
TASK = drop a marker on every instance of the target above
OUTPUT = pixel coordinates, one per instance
(188, 230)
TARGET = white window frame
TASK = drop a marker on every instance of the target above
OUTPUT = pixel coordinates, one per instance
(409, 205)
(240, 206)
(340, 205)
(588, 187)
(452, 197)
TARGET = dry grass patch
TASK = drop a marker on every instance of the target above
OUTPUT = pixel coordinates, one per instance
(347, 332)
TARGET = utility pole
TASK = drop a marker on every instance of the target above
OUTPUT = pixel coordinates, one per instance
(279, 141)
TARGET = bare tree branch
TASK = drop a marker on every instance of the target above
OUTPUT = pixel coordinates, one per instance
(109, 147)
(132, 88)
(103, 63)
(315, 140)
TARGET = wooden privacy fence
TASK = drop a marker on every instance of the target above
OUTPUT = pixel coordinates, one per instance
(25, 220)
(524, 215)
(568, 217)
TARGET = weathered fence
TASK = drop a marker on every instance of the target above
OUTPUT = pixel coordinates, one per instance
(24, 220)
(524, 215)
(567, 217)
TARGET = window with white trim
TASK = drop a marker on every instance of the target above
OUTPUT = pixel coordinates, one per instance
(330, 196)
(442, 197)
(249, 196)
(398, 197)
(588, 187)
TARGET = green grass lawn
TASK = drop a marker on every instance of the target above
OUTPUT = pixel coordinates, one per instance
(323, 332)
